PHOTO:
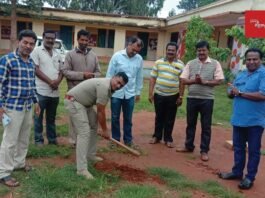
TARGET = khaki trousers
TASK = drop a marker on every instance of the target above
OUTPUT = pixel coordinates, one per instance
(84, 123)
(14, 146)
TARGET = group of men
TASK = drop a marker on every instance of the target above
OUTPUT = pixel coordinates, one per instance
(88, 96)
(31, 76)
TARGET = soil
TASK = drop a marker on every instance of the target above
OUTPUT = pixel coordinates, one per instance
(132, 168)
(126, 172)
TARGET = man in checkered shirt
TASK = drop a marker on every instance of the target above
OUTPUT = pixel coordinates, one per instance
(17, 98)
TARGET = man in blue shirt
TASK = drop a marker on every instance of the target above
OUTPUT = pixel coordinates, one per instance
(17, 97)
(248, 118)
(130, 62)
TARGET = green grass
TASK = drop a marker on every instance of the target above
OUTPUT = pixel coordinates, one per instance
(137, 191)
(49, 151)
(174, 179)
(4, 190)
(183, 185)
(49, 181)
(216, 190)
(185, 195)
(62, 130)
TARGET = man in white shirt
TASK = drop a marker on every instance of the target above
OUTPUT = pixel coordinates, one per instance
(48, 77)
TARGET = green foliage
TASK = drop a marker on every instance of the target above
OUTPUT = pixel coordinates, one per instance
(62, 130)
(33, 5)
(172, 12)
(49, 151)
(192, 4)
(136, 191)
(200, 30)
(136, 7)
(239, 33)
(214, 189)
(3, 190)
(50, 181)
(174, 179)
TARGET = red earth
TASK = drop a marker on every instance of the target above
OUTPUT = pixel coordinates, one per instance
(189, 164)
(132, 168)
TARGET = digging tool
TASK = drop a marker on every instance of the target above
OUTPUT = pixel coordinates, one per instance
(135, 152)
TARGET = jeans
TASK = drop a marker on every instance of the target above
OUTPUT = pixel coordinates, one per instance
(49, 105)
(127, 106)
(242, 135)
(166, 109)
(205, 108)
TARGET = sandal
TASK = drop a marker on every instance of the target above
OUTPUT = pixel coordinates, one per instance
(169, 144)
(154, 140)
(9, 181)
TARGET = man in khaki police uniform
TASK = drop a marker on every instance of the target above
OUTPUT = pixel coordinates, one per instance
(79, 102)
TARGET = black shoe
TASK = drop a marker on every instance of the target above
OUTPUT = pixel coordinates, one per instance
(229, 176)
(245, 184)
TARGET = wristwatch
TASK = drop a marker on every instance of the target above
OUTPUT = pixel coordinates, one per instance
(240, 93)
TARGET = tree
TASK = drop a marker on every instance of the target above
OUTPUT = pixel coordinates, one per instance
(239, 33)
(200, 30)
(192, 4)
(10, 6)
(172, 12)
(136, 7)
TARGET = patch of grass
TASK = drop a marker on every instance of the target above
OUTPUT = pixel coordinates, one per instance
(183, 184)
(50, 181)
(218, 191)
(49, 151)
(60, 109)
(185, 195)
(137, 191)
(144, 104)
(62, 130)
(174, 179)
(4, 190)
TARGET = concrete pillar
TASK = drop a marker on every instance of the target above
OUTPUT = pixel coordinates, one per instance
(119, 40)
(38, 27)
(161, 45)
(77, 29)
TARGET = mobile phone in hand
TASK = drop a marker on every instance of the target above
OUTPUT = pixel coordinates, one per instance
(5, 120)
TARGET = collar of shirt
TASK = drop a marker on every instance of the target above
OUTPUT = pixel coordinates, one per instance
(17, 55)
(77, 50)
(208, 60)
(175, 60)
(124, 52)
(54, 51)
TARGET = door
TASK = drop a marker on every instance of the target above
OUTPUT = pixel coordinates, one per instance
(144, 36)
(66, 34)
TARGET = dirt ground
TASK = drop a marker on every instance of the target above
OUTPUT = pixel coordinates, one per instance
(158, 155)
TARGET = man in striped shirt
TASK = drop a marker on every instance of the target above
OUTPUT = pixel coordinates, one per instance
(17, 97)
(166, 91)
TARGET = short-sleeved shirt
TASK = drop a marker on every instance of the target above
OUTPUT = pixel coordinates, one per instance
(50, 66)
(167, 76)
(92, 91)
(247, 112)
